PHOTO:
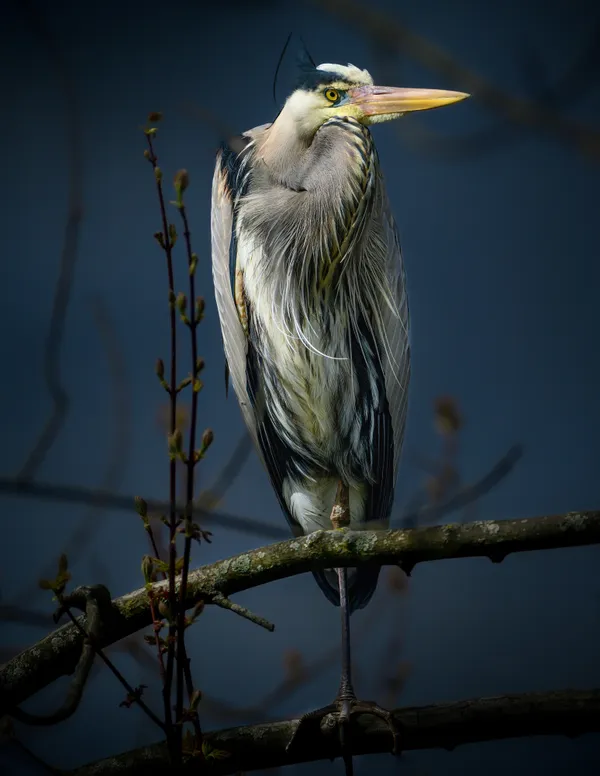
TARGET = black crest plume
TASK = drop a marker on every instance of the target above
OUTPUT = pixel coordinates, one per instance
(306, 67)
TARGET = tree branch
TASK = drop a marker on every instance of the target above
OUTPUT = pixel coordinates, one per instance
(444, 725)
(62, 292)
(57, 654)
(77, 495)
(386, 30)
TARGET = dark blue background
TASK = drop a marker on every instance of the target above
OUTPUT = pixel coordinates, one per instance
(501, 248)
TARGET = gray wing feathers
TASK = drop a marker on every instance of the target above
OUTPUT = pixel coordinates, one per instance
(396, 361)
(234, 338)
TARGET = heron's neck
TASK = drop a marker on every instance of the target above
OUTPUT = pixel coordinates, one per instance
(284, 149)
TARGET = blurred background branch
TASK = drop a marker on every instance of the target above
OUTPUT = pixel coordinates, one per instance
(62, 293)
(544, 111)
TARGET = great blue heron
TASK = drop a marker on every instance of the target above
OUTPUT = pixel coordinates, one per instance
(311, 294)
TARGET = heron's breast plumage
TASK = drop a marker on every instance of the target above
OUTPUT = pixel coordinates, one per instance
(308, 371)
(313, 400)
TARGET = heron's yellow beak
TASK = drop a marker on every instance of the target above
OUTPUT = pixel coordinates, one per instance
(386, 100)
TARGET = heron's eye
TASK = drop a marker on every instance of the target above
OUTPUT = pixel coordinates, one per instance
(332, 95)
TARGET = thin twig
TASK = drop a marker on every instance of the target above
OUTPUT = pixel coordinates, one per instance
(95, 602)
(174, 741)
(183, 666)
(306, 673)
(226, 603)
(112, 667)
(156, 628)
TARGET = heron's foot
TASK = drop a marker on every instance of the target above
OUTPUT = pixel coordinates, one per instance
(339, 715)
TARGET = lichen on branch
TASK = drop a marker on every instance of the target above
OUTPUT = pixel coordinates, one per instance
(57, 654)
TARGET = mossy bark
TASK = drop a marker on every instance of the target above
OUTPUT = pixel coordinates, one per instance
(58, 653)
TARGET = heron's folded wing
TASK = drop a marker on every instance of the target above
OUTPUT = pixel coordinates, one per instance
(234, 337)
(393, 369)
(396, 359)
(241, 358)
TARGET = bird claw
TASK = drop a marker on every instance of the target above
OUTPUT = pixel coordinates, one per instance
(339, 713)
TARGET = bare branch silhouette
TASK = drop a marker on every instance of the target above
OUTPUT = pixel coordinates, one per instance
(70, 494)
(118, 457)
(52, 353)
(467, 495)
(75, 495)
(573, 85)
(538, 114)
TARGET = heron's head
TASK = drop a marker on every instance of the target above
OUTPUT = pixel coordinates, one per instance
(332, 90)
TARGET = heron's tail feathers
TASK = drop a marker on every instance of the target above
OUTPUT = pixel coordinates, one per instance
(362, 583)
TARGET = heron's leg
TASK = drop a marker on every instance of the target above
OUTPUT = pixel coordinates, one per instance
(346, 692)
(346, 696)
(340, 513)
(346, 705)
